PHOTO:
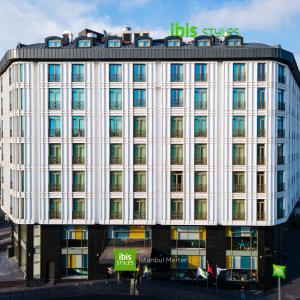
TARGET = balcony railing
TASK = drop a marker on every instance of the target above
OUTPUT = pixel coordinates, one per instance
(201, 77)
(115, 187)
(54, 105)
(201, 215)
(139, 188)
(238, 216)
(261, 77)
(261, 160)
(281, 106)
(261, 132)
(176, 215)
(115, 78)
(201, 105)
(239, 132)
(78, 160)
(53, 77)
(281, 78)
(281, 133)
(139, 160)
(280, 160)
(115, 133)
(115, 105)
(54, 187)
(54, 132)
(176, 161)
(115, 215)
(261, 216)
(200, 133)
(261, 105)
(200, 160)
(78, 133)
(78, 105)
(280, 187)
(139, 215)
(140, 102)
(78, 187)
(238, 160)
(176, 133)
(77, 77)
(239, 105)
(54, 214)
(78, 215)
(261, 188)
(176, 187)
(238, 188)
(54, 160)
(139, 77)
(115, 160)
(176, 102)
(139, 133)
(239, 76)
(176, 77)
(200, 188)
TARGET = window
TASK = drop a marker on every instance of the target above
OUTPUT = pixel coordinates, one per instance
(203, 43)
(280, 101)
(238, 129)
(176, 127)
(78, 127)
(114, 43)
(260, 210)
(115, 127)
(78, 181)
(261, 98)
(200, 209)
(116, 181)
(238, 182)
(54, 208)
(280, 208)
(115, 154)
(54, 181)
(54, 99)
(260, 182)
(54, 127)
(115, 72)
(176, 209)
(280, 181)
(54, 154)
(238, 154)
(139, 181)
(280, 127)
(139, 126)
(200, 99)
(281, 76)
(200, 182)
(78, 209)
(139, 154)
(115, 99)
(173, 43)
(261, 130)
(144, 43)
(78, 157)
(238, 210)
(21, 73)
(54, 73)
(261, 72)
(280, 154)
(200, 127)
(139, 209)
(115, 209)
(239, 72)
(200, 154)
(200, 72)
(54, 43)
(260, 154)
(238, 98)
(176, 98)
(176, 154)
(176, 72)
(77, 73)
(234, 42)
(78, 99)
(139, 98)
(84, 43)
(139, 74)
(176, 181)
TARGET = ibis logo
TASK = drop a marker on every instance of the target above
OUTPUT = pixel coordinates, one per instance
(125, 259)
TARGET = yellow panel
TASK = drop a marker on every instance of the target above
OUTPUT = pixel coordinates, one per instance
(228, 231)
(73, 261)
(78, 235)
(137, 232)
(173, 261)
(229, 262)
(68, 261)
(202, 234)
(193, 261)
(173, 233)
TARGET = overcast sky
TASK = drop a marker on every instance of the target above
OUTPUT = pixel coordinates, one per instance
(267, 21)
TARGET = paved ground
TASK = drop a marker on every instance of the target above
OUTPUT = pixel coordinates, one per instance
(9, 270)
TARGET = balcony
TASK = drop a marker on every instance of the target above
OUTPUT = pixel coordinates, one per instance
(260, 160)
(54, 132)
(54, 214)
(54, 77)
(115, 78)
(78, 187)
(176, 133)
(281, 133)
(77, 77)
(176, 187)
(115, 105)
(54, 105)
(78, 160)
(176, 77)
(176, 161)
(139, 77)
(261, 188)
(281, 78)
(200, 133)
(139, 188)
(201, 77)
(54, 160)
(280, 187)
(238, 188)
(78, 133)
(78, 214)
(176, 215)
(281, 106)
(200, 160)
(238, 132)
(115, 187)
(115, 160)
(54, 187)
(139, 133)
(78, 105)
(115, 133)
(239, 76)
(238, 216)
(139, 215)
(200, 188)
(261, 216)
(139, 160)
(201, 215)
(261, 132)
(115, 215)
(280, 160)
(238, 160)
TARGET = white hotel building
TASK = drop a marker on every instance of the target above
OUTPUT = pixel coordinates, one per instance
(186, 150)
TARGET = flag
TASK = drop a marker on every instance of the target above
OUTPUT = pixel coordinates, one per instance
(201, 272)
(219, 270)
(210, 270)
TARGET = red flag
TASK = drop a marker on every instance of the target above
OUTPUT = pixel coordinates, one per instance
(210, 270)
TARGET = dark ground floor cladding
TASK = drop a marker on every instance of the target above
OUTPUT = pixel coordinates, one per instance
(55, 253)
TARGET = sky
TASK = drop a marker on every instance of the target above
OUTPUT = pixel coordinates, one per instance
(266, 21)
